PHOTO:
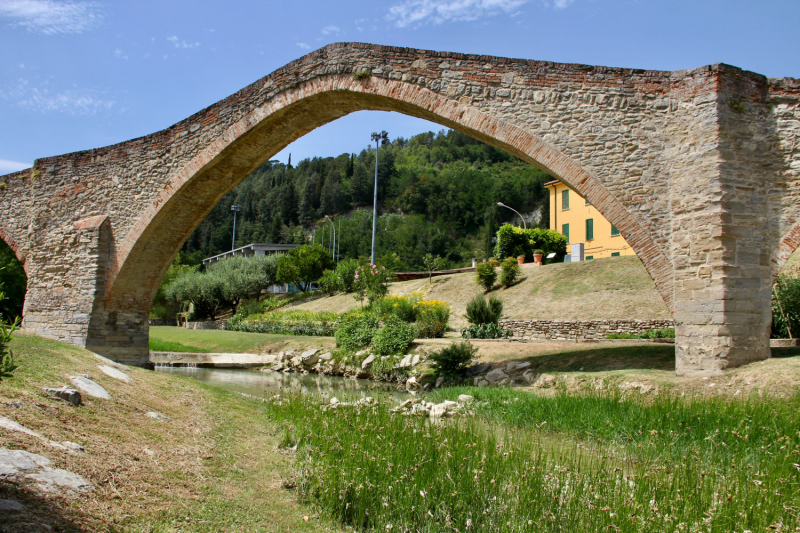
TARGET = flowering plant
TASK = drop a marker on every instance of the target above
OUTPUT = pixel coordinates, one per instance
(371, 282)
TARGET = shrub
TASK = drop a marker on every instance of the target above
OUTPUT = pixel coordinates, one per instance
(514, 242)
(355, 330)
(665, 333)
(371, 282)
(321, 324)
(485, 331)
(479, 311)
(454, 359)
(329, 283)
(509, 272)
(403, 307)
(346, 272)
(383, 369)
(394, 338)
(485, 275)
(7, 365)
(432, 318)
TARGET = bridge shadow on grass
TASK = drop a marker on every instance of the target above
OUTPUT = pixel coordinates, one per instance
(782, 353)
(41, 513)
(601, 358)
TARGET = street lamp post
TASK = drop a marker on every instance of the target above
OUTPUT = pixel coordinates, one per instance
(379, 138)
(501, 204)
(333, 243)
(235, 209)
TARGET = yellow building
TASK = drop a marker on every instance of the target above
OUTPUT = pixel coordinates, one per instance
(579, 221)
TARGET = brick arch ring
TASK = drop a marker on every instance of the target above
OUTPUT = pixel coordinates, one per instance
(12, 243)
(292, 113)
(789, 243)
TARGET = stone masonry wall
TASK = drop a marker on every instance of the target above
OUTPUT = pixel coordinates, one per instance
(696, 168)
(565, 330)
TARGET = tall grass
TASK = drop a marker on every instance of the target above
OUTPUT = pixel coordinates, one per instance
(377, 471)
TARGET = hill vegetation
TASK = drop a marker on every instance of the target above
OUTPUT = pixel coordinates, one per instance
(437, 194)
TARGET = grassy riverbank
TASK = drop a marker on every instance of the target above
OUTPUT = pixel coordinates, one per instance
(211, 465)
(527, 463)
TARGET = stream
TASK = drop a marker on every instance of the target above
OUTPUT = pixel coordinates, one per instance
(268, 383)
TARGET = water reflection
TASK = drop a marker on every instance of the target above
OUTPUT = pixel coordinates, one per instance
(269, 383)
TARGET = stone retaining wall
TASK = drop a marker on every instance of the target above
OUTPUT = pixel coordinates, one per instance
(582, 329)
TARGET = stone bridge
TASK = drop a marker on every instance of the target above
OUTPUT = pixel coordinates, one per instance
(699, 170)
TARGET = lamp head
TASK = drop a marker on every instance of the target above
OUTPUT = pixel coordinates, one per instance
(501, 204)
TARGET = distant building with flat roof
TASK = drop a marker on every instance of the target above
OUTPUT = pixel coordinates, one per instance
(251, 250)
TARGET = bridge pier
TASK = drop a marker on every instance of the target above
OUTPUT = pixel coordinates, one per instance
(66, 289)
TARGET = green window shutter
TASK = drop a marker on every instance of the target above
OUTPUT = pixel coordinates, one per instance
(614, 254)
(565, 231)
(589, 257)
(565, 199)
(589, 229)
(614, 230)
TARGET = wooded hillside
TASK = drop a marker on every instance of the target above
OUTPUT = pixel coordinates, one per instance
(437, 194)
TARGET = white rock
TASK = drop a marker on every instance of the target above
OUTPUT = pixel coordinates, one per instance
(157, 416)
(51, 478)
(327, 356)
(87, 385)
(438, 411)
(10, 425)
(520, 366)
(114, 373)
(465, 398)
(334, 400)
(68, 394)
(495, 376)
(415, 360)
(367, 363)
(309, 357)
(412, 385)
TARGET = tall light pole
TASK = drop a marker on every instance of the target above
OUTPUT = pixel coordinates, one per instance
(333, 243)
(379, 138)
(501, 204)
(339, 242)
(235, 209)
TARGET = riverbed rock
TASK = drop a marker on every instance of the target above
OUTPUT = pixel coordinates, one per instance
(11, 506)
(496, 376)
(367, 363)
(405, 362)
(327, 356)
(412, 385)
(114, 373)
(68, 394)
(415, 360)
(480, 382)
(309, 357)
(478, 369)
(89, 386)
(465, 398)
(439, 382)
(515, 366)
(544, 381)
(22, 466)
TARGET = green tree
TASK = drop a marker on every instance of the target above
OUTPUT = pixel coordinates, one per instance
(432, 262)
(304, 265)
(241, 278)
(14, 283)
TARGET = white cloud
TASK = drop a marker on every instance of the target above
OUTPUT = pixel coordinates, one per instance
(51, 16)
(6, 166)
(561, 4)
(330, 29)
(181, 44)
(118, 53)
(42, 99)
(303, 46)
(418, 12)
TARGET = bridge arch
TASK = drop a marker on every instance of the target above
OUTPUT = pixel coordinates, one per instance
(142, 258)
(15, 247)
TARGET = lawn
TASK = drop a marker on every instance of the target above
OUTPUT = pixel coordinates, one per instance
(170, 338)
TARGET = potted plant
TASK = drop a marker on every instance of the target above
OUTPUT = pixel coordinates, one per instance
(521, 259)
(537, 256)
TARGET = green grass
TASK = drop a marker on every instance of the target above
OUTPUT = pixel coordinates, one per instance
(157, 345)
(670, 465)
(212, 340)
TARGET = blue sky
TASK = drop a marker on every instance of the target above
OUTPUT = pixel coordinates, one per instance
(82, 74)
